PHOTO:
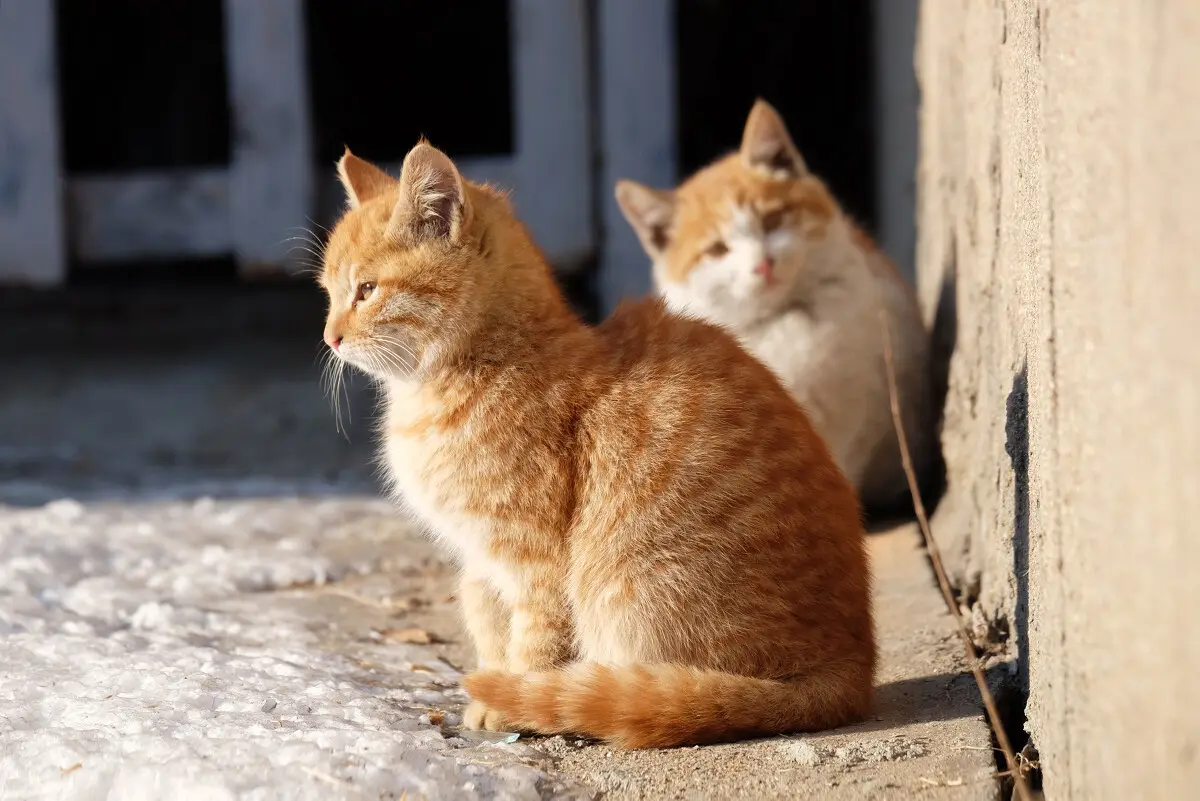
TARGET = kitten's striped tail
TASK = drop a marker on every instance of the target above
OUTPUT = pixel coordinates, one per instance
(659, 706)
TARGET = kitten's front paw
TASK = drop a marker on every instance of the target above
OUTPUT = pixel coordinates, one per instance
(478, 716)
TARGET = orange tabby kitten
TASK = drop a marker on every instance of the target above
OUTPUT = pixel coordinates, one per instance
(757, 243)
(656, 548)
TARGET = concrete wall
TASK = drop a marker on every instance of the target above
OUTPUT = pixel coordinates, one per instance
(1059, 235)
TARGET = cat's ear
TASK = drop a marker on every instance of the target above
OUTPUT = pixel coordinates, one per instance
(361, 179)
(649, 211)
(766, 145)
(432, 202)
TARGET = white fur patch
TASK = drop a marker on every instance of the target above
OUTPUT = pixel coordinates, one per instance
(408, 460)
(726, 289)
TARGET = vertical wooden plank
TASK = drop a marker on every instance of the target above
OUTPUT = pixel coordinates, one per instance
(32, 246)
(637, 109)
(553, 143)
(897, 102)
(271, 190)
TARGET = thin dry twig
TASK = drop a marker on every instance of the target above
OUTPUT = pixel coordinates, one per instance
(935, 556)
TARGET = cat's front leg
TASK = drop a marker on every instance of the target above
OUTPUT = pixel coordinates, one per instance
(542, 633)
(487, 619)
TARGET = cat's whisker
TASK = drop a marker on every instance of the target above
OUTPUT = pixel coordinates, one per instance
(306, 248)
(314, 222)
(344, 390)
(307, 242)
(381, 359)
(308, 239)
(398, 363)
(397, 343)
(394, 360)
(407, 351)
(333, 380)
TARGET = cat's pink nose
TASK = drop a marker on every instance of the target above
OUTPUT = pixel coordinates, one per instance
(333, 341)
(765, 268)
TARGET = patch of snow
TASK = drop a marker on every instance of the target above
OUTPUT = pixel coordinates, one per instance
(146, 656)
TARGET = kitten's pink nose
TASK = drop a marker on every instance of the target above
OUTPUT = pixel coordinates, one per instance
(766, 268)
(333, 341)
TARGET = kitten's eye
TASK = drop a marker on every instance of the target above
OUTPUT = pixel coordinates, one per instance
(717, 249)
(772, 220)
(364, 291)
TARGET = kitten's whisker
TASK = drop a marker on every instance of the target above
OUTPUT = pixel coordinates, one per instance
(304, 246)
(333, 381)
(323, 228)
(393, 360)
(387, 340)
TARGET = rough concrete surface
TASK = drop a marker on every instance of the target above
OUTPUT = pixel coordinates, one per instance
(296, 563)
(1059, 188)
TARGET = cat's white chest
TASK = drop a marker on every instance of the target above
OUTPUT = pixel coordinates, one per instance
(426, 481)
(789, 344)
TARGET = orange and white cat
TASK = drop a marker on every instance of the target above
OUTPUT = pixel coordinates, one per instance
(756, 243)
(656, 548)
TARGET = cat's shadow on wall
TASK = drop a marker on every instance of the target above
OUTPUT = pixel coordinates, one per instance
(943, 336)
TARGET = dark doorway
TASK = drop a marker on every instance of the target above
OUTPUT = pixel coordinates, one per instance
(384, 73)
(812, 61)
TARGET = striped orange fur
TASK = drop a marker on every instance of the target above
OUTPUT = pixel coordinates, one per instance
(656, 548)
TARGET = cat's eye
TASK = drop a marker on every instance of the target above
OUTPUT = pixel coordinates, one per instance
(364, 291)
(717, 249)
(772, 220)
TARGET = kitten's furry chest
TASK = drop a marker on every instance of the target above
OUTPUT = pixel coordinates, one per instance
(788, 343)
(477, 479)
(828, 362)
(421, 479)
(424, 463)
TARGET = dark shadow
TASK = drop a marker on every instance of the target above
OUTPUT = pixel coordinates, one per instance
(364, 94)
(944, 333)
(945, 696)
(943, 340)
(931, 482)
(121, 109)
(1016, 445)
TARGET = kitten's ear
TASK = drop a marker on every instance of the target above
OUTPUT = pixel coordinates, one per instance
(361, 179)
(649, 211)
(766, 145)
(432, 202)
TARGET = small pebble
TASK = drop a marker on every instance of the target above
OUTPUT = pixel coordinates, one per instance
(269, 705)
